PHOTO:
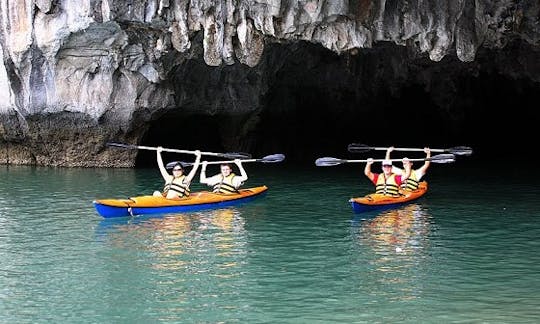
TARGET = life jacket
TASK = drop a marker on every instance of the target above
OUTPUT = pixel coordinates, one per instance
(387, 186)
(178, 186)
(225, 185)
(411, 184)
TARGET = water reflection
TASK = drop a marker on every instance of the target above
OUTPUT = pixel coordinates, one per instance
(395, 242)
(183, 240)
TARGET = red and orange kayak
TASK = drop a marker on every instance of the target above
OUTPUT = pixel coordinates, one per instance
(140, 205)
(379, 201)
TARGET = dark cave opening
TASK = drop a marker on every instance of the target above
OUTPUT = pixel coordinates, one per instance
(316, 103)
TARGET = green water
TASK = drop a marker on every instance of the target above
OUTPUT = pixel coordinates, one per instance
(467, 252)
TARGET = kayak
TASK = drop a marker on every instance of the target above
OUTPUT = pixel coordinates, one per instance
(376, 201)
(141, 205)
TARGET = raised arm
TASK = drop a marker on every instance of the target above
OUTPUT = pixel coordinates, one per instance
(422, 170)
(162, 168)
(243, 175)
(191, 174)
(203, 178)
(367, 169)
(388, 151)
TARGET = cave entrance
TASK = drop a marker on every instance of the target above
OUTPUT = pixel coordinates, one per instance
(307, 102)
(185, 132)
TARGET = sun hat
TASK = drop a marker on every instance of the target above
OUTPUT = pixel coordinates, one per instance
(386, 162)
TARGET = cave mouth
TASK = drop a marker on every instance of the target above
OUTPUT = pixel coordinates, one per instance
(316, 103)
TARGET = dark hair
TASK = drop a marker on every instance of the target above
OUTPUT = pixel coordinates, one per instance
(178, 164)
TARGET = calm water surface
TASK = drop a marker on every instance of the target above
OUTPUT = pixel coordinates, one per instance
(469, 251)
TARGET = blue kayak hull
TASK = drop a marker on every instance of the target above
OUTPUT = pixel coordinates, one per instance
(111, 208)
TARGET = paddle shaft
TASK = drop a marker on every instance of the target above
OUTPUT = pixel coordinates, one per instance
(330, 161)
(362, 148)
(406, 149)
(223, 162)
(267, 159)
(151, 148)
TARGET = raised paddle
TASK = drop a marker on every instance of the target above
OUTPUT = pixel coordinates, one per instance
(330, 161)
(139, 147)
(362, 148)
(267, 159)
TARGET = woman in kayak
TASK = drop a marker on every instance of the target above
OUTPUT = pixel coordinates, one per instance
(387, 182)
(177, 184)
(416, 174)
(225, 182)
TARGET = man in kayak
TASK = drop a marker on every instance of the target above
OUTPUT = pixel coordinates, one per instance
(416, 174)
(387, 182)
(225, 182)
(177, 184)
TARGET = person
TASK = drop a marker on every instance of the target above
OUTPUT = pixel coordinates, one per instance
(225, 182)
(387, 182)
(176, 185)
(416, 174)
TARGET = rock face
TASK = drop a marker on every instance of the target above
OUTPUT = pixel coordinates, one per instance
(79, 73)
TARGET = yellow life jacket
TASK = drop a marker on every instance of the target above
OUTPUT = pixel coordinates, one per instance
(225, 185)
(177, 185)
(387, 186)
(411, 184)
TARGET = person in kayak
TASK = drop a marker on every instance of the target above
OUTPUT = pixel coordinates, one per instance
(416, 174)
(387, 182)
(177, 184)
(226, 181)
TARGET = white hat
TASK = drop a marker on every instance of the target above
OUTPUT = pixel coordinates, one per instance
(386, 162)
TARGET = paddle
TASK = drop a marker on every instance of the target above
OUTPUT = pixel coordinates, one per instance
(362, 148)
(330, 161)
(139, 147)
(267, 159)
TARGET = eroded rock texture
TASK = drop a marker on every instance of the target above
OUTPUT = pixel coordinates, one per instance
(80, 73)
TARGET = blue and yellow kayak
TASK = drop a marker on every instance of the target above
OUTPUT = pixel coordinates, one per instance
(379, 201)
(141, 205)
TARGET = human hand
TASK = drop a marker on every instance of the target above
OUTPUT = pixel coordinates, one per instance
(390, 149)
(238, 162)
(204, 164)
(198, 154)
(370, 161)
(159, 149)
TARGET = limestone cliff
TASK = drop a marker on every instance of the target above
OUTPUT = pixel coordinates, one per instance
(79, 73)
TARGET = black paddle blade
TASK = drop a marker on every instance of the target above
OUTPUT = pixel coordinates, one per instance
(273, 158)
(461, 150)
(236, 155)
(358, 148)
(171, 165)
(128, 146)
(328, 161)
(442, 158)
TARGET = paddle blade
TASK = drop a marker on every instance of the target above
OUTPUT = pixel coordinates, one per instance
(236, 155)
(358, 148)
(128, 146)
(273, 158)
(171, 165)
(328, 161)
(461, 150)
(442, 158)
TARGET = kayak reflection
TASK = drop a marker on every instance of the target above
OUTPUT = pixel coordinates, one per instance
(181, 241)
